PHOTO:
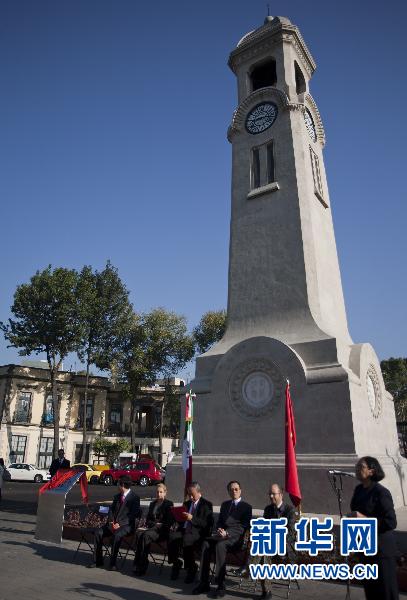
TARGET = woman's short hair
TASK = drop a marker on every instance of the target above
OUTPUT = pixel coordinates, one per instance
(375, 466)
(162, 486)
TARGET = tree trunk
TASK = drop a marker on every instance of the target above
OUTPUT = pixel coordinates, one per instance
(160, 436)
(85, 404)
(133, 424)
(55, 402)
(161, 432)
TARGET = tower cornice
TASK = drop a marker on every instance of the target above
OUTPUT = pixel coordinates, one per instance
(264, 38)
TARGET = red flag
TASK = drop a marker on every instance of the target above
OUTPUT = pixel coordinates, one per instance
(292, 485)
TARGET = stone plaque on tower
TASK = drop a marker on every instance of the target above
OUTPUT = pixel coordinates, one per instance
(286, 314)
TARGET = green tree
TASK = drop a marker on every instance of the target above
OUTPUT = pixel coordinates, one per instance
(46, 321)
(111, 450)
(395, 378)
(170, 425)
(104, 314)
(209, 330)
(157, 345)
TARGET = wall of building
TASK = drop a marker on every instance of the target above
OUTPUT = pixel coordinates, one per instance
(26, 427)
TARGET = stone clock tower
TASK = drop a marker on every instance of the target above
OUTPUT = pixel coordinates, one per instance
(286, 311)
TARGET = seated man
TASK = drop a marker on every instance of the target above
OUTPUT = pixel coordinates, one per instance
(234, 520)
(191, 533)
(121, 519)
(158, 522)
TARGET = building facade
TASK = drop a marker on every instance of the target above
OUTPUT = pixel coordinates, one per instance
(27, 422)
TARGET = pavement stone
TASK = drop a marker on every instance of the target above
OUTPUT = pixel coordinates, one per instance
(35, 570)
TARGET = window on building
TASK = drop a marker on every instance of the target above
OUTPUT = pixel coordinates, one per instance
(22, 413)
(48, 416)
(264, 75)
(300, 85)
(316, 173)
(262, 158)
(17, 448)
(45, 452)
(78, 453)
(270, 163)
(115, 417)
(255, 168)
(89, 410)
(141, 421)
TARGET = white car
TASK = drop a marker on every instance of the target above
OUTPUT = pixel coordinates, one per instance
(26, 472)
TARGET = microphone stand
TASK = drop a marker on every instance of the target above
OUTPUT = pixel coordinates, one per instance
(337, 487)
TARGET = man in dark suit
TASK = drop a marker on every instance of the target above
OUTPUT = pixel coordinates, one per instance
(59, 463)
(190, 533)
(158, 522)
(275, 510)
(278, 508)
(121, 519)
(234, 520)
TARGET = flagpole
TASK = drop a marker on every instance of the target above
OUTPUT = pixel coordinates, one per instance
(188, 442)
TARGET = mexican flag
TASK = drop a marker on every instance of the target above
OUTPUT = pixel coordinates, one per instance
(188, 442)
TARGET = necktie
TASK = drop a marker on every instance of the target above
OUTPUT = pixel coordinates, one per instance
(188, 526)
(122, 499)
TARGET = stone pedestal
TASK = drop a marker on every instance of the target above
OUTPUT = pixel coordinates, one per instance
(340, 415)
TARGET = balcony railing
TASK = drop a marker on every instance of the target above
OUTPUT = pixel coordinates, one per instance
(21, 416)
(89, 424)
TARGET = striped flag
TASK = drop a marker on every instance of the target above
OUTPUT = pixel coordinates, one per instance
(188, 442)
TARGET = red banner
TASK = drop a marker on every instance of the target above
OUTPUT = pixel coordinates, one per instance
(292, 485)
(62, 476)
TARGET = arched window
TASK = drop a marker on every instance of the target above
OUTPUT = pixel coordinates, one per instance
(264, 75)
(300, 85)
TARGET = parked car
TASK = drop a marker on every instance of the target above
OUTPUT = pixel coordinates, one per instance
(26, 472)
(142, 472)
(92, 474)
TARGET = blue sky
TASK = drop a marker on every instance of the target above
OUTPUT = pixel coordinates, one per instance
(113, 120)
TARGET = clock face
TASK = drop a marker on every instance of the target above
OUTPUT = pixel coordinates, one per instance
(261, 117)
(310, 125)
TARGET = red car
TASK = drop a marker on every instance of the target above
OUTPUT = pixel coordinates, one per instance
(143, 473)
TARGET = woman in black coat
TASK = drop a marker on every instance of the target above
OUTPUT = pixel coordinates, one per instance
(371, 499)
(158, 523)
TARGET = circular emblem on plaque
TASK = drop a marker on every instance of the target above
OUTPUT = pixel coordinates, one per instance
(255, 388)
(374, 395)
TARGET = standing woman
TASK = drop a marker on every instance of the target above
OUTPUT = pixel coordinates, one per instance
(371, 499)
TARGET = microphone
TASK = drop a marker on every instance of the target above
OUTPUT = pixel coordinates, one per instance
(344, 473)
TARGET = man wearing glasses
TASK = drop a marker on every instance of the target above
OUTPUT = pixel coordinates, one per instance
(278, 508)
(233, 522)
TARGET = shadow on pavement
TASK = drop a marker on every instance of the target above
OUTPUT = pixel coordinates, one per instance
(19, 507)
(126, 593)
(20, 531)
(16, 521)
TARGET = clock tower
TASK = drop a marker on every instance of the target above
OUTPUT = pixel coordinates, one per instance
(286, 315)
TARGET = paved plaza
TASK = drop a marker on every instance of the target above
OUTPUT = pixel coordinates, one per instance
(37, 570)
